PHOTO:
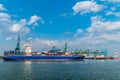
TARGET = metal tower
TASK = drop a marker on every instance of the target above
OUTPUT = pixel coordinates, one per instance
(17, 49)
(65, 49)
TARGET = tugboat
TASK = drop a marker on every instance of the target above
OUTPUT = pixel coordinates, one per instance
(17, 55)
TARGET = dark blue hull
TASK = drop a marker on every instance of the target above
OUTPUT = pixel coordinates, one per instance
(18, 58)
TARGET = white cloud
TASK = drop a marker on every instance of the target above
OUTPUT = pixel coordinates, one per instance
(99, 25)
(4, 16)
(12, 27)
(113, 8)
(2, 8)
(19, 27)
(114, 0)
(113, 37)
(8, 38)
(35, 19)
(113, 13)
(104, 30)
(9, 26)
(78, 32)
(15, 27)
(86, 7)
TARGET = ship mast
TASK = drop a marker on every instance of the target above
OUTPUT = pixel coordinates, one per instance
(17, 49)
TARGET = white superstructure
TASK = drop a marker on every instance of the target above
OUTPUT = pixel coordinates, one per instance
(28, 50)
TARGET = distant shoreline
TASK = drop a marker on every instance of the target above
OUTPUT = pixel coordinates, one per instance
(1, 57)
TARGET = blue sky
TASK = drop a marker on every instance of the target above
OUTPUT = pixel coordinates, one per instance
(93, 24)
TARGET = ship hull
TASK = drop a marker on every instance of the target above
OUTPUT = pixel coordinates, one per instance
(21, 58)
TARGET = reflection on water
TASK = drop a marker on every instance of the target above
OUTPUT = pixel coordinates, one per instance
(27, 69)
(27, 62)
(64, 70)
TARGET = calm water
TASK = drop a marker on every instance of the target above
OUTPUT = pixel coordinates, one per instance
(69, 70)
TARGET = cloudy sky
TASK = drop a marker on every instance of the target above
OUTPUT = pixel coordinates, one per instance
(93, 24)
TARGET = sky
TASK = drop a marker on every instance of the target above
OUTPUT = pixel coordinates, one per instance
(83, 24)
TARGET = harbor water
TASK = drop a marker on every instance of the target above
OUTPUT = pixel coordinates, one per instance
(60, 70)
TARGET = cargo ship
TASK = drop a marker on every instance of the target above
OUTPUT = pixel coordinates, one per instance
(34, 58)
(53, 54)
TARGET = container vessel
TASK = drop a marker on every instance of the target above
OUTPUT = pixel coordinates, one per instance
(17, 55)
